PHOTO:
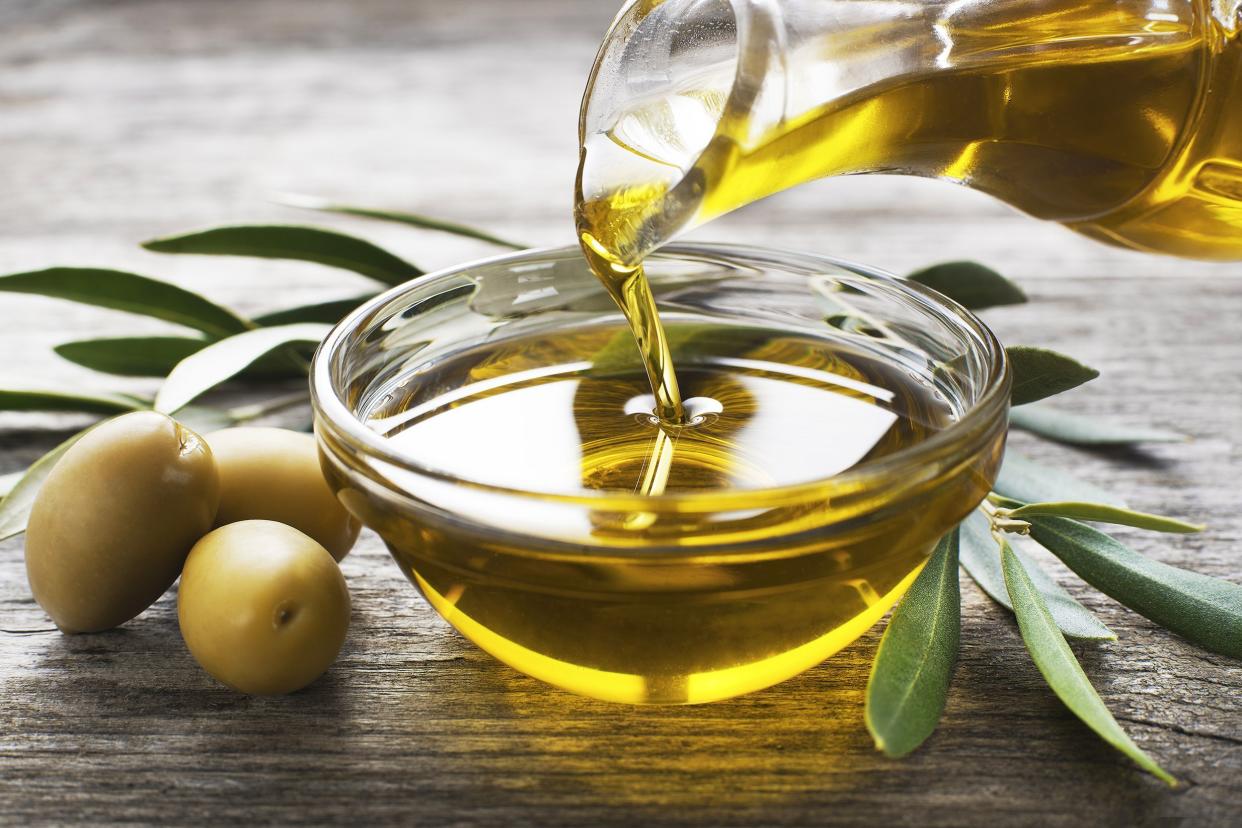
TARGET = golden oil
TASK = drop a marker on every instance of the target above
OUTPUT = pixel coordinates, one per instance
(735, 587)
(1120, 121)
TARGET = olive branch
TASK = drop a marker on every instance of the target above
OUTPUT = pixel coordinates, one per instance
(914, 664)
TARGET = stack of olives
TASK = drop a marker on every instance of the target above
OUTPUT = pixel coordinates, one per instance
(262, 605)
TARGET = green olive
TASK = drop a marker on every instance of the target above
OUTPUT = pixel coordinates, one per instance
(274, 474)
(263, 607)
(111, 526)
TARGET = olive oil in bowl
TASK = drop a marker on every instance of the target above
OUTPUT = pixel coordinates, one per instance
(504, 442)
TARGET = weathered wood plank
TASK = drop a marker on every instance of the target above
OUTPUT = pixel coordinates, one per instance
(126, 120)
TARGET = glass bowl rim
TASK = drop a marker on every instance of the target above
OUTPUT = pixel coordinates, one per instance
(331, 411)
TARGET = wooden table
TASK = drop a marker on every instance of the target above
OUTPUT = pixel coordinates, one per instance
(122, 121)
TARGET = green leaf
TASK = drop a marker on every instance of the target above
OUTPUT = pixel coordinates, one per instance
(1027, 481)
(201, 420)
(8, 481)
(16, 506)
(687, 341)
(225, 359)
(398, 217)
(306, 244)
(1040, 373)
(980, 556)
(914, 664)
(156, 356)
(1078, 430)
(970, 284)
(118, 290)
(1061, 669)
(1103, 513)
(139, 356)
(620, 355)
(47, 399)
(264, 408)
(1205, 610)
(327, 313)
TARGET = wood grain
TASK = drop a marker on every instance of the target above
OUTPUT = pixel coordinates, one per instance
(126, 120)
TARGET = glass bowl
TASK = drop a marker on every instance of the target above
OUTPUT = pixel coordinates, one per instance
(679, 597)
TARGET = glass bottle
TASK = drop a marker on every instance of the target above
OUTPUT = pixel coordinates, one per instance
(1121, 119)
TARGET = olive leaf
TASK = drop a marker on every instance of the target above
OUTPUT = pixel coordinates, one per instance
(1026, 481)
(914, 664)
(118, 290)
(156, 356)
(16, 506)
(397, 217)
(1061, 669)
(619, 354)
(1103, 513)
(1205, 610)
(970, 284)
(306, 244)
(688, 342)
(1075, 429)
(980, 557)
(225, 359)
(253, 411)
(46, 399)
(1040, 373)
(137, 356)
(327, 313)
(202, 419)
(8, 481)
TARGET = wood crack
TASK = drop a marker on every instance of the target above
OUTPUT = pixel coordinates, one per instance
(1180, 729)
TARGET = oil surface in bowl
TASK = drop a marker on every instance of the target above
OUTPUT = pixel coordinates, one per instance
(683, 604)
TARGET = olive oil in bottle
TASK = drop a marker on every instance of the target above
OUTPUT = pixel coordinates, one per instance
(1120, 119)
